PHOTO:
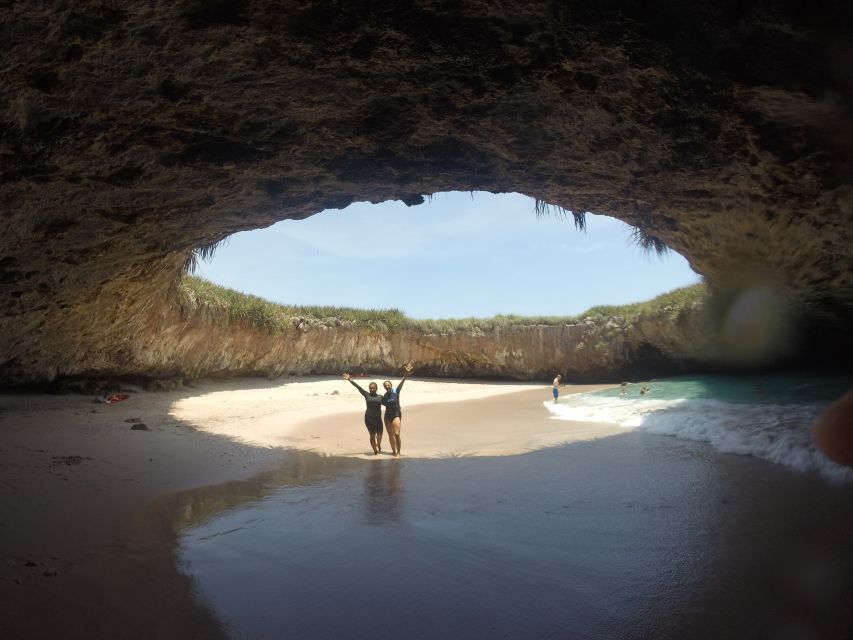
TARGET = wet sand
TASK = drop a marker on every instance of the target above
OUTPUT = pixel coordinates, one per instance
(630, 536)
(77, 534)
(91, 512)
(80, 556)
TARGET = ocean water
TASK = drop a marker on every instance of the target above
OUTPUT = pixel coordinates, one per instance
(766, 416)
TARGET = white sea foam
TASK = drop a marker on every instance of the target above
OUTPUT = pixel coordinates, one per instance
(775, 432)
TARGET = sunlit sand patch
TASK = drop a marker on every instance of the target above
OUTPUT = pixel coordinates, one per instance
(325, 415)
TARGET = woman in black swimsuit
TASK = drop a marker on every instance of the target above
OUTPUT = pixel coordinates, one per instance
(373, 413)
(393, 413)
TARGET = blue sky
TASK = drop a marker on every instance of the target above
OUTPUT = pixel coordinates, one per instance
(457, 256)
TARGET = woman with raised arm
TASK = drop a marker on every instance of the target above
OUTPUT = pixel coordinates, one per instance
(373, 413)
(393, 413)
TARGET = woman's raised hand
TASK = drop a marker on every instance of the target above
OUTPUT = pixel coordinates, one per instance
(347, 376)
(408, 367)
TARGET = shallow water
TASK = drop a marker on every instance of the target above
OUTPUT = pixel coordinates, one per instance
(755, 389)
(633, 536)
(766, 416)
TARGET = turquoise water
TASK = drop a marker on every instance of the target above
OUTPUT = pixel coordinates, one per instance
(740, 389)
(767, 416)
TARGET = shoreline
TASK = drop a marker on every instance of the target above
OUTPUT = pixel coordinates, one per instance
(78, 530)
(323, 416)
(95, 515)
(515, 422)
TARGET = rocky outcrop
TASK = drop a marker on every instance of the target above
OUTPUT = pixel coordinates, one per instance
(598, 348)
(131, 133)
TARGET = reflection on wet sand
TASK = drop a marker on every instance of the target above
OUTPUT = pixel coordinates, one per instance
(296, 469)
(635, 536)
(383, 491)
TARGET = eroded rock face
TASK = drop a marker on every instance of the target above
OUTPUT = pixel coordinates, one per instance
(593, 350)
(131, 133)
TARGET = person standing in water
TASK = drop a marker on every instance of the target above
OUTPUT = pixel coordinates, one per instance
(393, 413)
(556, 387)
(373, 413)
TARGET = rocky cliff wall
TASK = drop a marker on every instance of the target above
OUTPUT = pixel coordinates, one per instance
(600, 349)
(132, 133)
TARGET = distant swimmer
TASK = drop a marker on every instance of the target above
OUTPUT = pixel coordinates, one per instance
(373, 414)
(393, 412)
(555, 387)
(644, 391)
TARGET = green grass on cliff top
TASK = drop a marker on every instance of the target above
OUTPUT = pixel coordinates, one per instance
(201, 299)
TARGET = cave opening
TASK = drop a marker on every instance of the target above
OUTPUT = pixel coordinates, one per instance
(457, 255)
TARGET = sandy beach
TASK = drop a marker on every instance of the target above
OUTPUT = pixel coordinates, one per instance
(121, 532)
(76, 476)
(325, 416)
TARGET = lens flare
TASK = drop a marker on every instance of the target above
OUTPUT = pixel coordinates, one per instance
(757, 325)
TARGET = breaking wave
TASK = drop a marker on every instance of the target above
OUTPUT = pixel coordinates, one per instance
(766, 417)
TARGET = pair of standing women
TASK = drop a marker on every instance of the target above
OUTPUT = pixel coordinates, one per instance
(373, 414)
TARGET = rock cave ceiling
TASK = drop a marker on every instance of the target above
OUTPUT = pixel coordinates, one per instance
(132, 133)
